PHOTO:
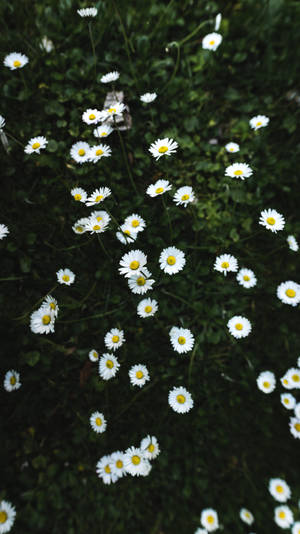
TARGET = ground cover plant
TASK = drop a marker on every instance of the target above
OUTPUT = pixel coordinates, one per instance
(195, 183)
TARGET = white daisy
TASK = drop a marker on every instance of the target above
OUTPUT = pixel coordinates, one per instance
(108, 366)
(147, 308)
(110, 77)
(88, 12)
(184, 196)
(98, 196)
(292, 242)
(180, 400)
(114, 339)
(99, 151)
(285, 382)
(239, 326)
(283, 516)
(139, 375)
(279, 489)
(159, 188)
(259, 122)
(266, 381)
(3, 231)
(42, 320)
(246, 278)
(238, 170)
(232, 147)
(128, 234)
(226, 263)
(246, 516)
(93, 355)
(101, 216)
(289, 293)
(182, 339)
(148, 97)
(79, 194)
(7, 516)
(35, 144)
(52, 303)
(65, 276)
(297, 410)
(92, 116)
(296, 528)
(288, 401)
(135, 222)
(141, 283)
(218, 21)
(163, 147)
(80, 151)
(135, 461)
(98, 422)
(295, 427)
(132, 263)
(104, 470)
(80, 226)
(209, 519)
(95, 227)
(171, 260)
(117, 463)
(149, 445)
(11, 382)
(2, 123)
(46, 44)
(272, 220)
(103, 131)
(211, 41)
(15, 60)
(116, 109)
(293, 377)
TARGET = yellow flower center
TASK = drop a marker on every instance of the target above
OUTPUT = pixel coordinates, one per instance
(180, 399)
(36, 145)
(279, 489)
(103, 134)
(66, 278)
(185, 197)
(46, 319)
(112, 110)
(266, 384)
(285, 381)
(127, 232)
(52, 305)
(81, 152)
(211, 43)
(119, 464)
(271, 220)
(159, 190)
(225, 265)
(134, 265)
(171, 260)
(98, 198)
(77, 196)
(297, 426)
(99, 152)
(281, 515)
(3, 515)
(98, 421)
(290, 293)
(92, 116)
(286, 401)
(115, 339)
(17, 63)
(141, 281)
(246, 278)
(181, 340)
(109, 364)
(239, 326)
(162, 149)
(135, 223)
(259, 123)
(95, 354)
(97, 227)
(148, 309)
(139, 374)
(210, 519)
(79, 228)
(136, 460)
(295, 378)
(13, 380)
(238, 172)
(107, 469)
(231, 149)
(151, 447)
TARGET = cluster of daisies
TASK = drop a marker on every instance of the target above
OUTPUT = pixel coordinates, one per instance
(135, 461)
(283, 515)
(42, 320)
(183, 196)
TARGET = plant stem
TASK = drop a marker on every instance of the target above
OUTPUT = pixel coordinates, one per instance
(38, 302)
(93, 47)
(103, 248)
(16, 140)
(126, 160)
(169, 220)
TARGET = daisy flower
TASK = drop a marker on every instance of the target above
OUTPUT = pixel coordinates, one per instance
(163, 147)
(79, 194)
(101, 216)
(114, 339)
(246, 278)
(116, 109)
(134, 461)
(292, 242)
(132, 263)
(108, 366)
(103, 131)
(46, 44)
(92, 116)
(184, 196)
(171, 260)
(11, 382)
(94, 226)
(288, 401)
(149, 446)
(148, 97)
(232, 147)
(296, 528)
(239, 326)
(218, 21)
(110, 77)
(52, 303)
(266, 381)
(3, 231)
(295, 427)
(80, 226)
(180, 400)
(293, 377)
(159, 188)
(139, 375)
(147, 308)
(128, 235)
(226, 263)
(238, 170)
(246, 516)
(93, 355)
(88, 12)
(285, 382)
(209, 519)
(289, 293)
(117, 463)
(272, 220)
(35, 144)
(259, 122)
(2, 123)
(141, 283)
(98, 422)
(211, 41)
(182, 339)
(99, 151)
(104, 470)
(15, 60)
(42, 321)
(65, 276)
(135, 222)
(279, 489)
(7, 516)
(283, 516)
(80, 151)
(98, 196)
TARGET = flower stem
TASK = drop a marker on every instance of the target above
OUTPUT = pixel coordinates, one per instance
(169, 220)
(126, 160)
(93, 47)
(103, 248)
(16, 140)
